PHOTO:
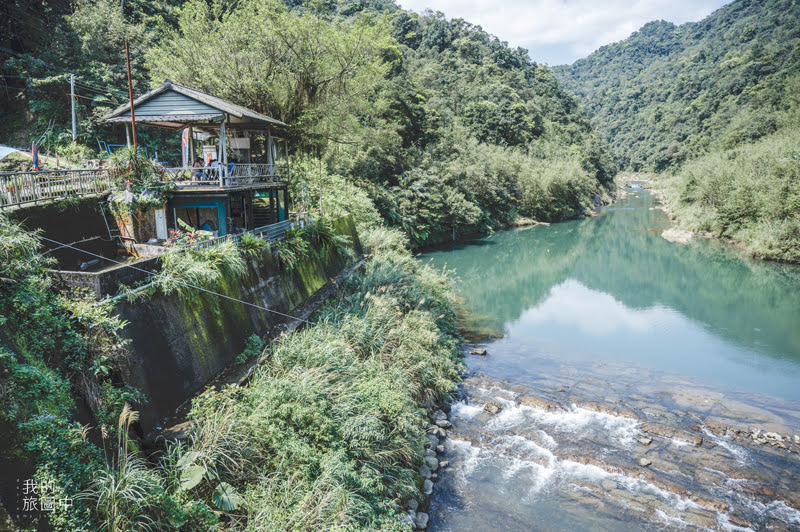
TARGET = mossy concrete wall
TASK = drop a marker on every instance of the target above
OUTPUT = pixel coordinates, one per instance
(178, 344)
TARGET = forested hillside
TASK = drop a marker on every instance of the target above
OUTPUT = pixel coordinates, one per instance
(441, 125)
(670, 93)
(714, 106)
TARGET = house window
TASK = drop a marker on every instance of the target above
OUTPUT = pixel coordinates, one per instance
(205, 218)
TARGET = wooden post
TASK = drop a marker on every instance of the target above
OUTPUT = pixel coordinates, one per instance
(130, 94)
(225, 155)
(191, 146)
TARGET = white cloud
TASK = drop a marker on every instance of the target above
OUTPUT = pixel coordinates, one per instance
(559, 31)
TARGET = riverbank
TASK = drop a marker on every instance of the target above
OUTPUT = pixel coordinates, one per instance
(748, 196)
(335, 423)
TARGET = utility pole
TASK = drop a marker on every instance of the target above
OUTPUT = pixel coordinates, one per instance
(130, 95)
(72, 100)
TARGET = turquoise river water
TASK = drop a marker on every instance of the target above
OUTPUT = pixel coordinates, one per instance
(608, 345)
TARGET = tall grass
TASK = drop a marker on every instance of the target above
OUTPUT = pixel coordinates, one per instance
(330, 431)
(750, 194)
(204, 267)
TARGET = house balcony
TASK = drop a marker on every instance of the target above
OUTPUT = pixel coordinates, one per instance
(233, 177)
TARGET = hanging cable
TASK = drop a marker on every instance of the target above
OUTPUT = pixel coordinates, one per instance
(156, 274)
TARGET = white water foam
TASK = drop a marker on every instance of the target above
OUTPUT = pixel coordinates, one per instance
(677, 442)
(519, 455)
(469, 453)
(739, 453)
(574, 420)
(724, 524)
(465, 411)
(671, 519)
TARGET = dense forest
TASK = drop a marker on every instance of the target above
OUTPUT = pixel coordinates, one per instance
(443, 126)
(714, 106)
(670, 93)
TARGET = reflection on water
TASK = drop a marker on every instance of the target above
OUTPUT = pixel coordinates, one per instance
(610, 286)
(690, 346)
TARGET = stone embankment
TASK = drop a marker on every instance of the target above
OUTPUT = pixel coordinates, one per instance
(430, 471)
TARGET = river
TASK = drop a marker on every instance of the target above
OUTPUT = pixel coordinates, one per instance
(630, 383)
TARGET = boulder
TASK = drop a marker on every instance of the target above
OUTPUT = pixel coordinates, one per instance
(644, 440)
(433, 441)
(478, 352)
(439, 414)
(440, 449)
(425, 472)
(443, 423)
(444, 463)
(412, 505)
(644, 462)
(432, 462)
(409, 521)
(428, 487)
(421, 521)
(493, 408)
(679, 236)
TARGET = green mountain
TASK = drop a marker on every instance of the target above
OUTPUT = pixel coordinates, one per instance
(443, 126)
(670, 93)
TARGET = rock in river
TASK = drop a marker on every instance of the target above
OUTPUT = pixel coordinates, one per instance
(493, 408)
(679, 236)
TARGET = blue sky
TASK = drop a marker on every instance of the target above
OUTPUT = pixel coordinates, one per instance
(560, 31)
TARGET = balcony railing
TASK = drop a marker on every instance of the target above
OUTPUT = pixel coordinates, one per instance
(18, 188)
(234, 175)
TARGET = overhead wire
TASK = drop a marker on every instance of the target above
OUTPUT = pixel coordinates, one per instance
(97, 86)
(156, 274)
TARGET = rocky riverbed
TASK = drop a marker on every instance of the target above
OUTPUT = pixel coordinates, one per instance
(638, 465)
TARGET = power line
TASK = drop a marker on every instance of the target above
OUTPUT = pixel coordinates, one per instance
(99, 87)
(156, 274)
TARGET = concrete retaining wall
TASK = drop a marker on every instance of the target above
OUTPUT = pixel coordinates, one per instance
(177, 345)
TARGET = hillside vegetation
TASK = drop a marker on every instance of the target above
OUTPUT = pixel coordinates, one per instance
(714, 106)
(442, 125)
(670, 93)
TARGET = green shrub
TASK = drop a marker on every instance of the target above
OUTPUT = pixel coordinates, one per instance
(185, 267)
(252, 246)
(750, 194)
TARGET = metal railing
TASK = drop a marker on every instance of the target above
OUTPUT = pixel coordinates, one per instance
(233, 176)
(268, 232)
(18, 188)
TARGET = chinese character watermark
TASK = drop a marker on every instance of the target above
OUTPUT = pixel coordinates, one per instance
(34, 497)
